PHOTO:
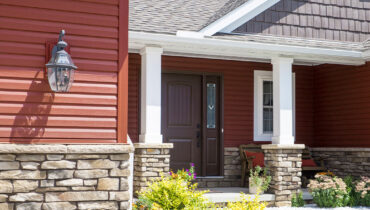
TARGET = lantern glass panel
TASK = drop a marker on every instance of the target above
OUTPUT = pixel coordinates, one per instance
(60, 78)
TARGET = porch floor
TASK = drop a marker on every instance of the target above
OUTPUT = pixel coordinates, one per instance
(232, 194)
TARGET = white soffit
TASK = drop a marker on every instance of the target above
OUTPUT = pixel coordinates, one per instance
(238, 16)
(242, 50)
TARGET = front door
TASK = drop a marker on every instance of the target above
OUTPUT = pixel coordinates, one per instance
(190, 120)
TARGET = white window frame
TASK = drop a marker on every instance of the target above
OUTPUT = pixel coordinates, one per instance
(259, 77)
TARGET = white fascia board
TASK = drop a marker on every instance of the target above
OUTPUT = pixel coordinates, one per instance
(238, 16)
(241, 50)
(366, 55)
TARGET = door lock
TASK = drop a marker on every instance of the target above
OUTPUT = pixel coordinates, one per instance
(198, 139)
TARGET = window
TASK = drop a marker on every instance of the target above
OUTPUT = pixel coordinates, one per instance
(211, 105)
(263, 105)
(267, 106)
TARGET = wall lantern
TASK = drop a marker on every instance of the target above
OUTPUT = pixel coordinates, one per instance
(60, 67)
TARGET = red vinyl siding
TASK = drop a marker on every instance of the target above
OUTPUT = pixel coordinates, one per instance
(238, 95)
(342, 105)
(29, 111)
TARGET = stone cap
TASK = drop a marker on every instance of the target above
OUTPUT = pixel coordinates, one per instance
(283, 146)
(66, 148)
(153, 146)
(340, 149)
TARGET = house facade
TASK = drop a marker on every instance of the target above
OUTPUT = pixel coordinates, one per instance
(186, 82)
(287, 73)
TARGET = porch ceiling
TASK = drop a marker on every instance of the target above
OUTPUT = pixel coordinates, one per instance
(303, 51)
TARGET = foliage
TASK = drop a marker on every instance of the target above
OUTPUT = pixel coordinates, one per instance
(354, 197)
(247, 203)
(329, 191)
(259, 177)
(362, 190)
(297, 200)
(172, 192)
(186, 175)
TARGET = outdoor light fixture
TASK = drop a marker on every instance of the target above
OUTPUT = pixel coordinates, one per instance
(60, 67)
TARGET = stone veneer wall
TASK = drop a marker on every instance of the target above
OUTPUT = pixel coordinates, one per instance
(345, 161)
(232, 171)
(64, 176)
(150, 161)
(285, 165)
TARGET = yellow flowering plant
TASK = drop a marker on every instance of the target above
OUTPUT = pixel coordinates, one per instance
(173, 192)
(247, 203)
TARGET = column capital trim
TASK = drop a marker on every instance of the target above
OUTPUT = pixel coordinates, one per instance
(151, 49)
(279, 59)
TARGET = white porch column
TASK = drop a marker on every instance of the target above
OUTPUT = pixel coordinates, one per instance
(283, 101)
(151, 71)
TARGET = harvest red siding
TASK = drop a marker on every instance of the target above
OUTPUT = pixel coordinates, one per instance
(29, 111)
(342, 106)
(238, 95)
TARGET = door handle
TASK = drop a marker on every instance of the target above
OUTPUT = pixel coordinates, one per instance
(198, 139)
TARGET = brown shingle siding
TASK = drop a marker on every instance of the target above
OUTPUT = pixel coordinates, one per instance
(343, 20)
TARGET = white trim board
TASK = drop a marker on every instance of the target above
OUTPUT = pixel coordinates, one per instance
(241, 50)
(238, 16)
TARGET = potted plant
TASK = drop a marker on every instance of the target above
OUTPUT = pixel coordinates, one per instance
(259, 181)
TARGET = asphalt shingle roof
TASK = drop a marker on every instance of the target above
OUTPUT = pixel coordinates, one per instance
(169, 16)
(340, 20)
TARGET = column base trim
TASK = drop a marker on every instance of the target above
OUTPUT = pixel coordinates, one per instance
(156, 146)
(151, 138)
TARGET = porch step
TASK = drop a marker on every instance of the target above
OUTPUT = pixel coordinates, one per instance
(232, 194)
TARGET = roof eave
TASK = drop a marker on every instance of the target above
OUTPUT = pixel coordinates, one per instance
(242, 50)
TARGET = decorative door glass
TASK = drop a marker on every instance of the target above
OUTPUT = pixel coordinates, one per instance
(211, 105)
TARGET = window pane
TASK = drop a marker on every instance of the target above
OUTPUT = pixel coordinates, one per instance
(267, 93)
(267, 120)
(211, 105)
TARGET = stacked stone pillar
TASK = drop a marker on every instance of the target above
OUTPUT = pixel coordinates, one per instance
(151, 160)
(285, 165)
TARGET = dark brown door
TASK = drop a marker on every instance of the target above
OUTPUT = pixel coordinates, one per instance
(181, 119)
(191, 121)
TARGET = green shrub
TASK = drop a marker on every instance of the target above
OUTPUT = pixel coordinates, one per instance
(297, 200)
(247, 203)
(173, 192)
(329, 191)
(362, 190)
(354, 197)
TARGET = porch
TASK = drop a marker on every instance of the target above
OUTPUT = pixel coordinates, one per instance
(281, 102)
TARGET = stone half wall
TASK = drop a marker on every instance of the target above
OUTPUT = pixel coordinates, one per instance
(150, 161)
(65, 176)
(232, 171)
(345, 161)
